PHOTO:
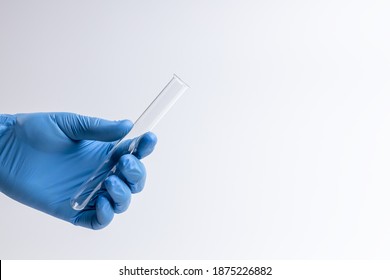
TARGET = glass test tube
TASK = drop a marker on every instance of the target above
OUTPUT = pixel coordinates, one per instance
(146, 122)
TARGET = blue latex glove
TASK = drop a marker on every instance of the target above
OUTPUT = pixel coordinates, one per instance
(45, 157)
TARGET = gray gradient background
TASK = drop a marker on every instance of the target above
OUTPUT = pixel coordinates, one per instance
(280, 150)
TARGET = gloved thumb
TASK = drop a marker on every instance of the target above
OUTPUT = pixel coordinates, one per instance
(78, 127)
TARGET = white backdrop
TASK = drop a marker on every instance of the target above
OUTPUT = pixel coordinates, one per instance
(280, 150)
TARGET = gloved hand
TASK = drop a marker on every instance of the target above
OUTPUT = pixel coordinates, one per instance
(45, 157)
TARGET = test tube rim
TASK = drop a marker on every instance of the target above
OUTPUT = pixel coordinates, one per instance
(185, 87)
(180, 80)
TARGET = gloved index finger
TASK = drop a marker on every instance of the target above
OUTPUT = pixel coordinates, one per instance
(144, 146)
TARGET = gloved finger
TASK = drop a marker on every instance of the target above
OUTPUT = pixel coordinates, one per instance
(146, 145)
(78, 127)
(133, 172)
(97, 218)
(5, 122)
(119, 193)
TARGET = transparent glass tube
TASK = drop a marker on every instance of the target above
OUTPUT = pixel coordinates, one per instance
(146, 122)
